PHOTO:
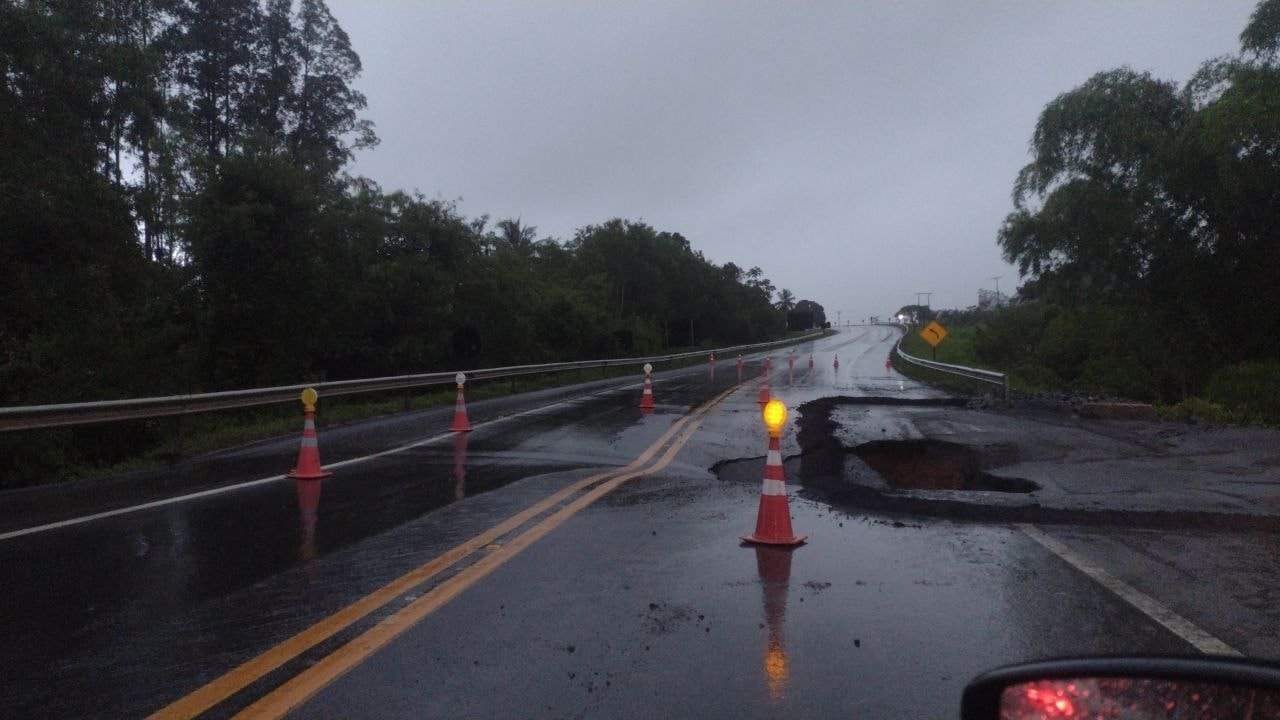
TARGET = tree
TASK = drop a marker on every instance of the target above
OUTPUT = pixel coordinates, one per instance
(786, 300)
(326, 104)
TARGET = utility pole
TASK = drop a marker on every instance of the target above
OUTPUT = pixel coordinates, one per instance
(997, 279)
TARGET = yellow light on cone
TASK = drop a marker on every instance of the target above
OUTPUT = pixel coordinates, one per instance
(309, 398)
(775, 414)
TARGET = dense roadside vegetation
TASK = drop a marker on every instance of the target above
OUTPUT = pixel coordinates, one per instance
(1147, 227)
(177, 216)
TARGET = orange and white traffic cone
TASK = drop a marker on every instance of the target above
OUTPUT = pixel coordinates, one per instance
(646, 397)
(810, 361)
(308, 467)
(773, 519)
(836, 364)
(739, 369)
(711, 365)
(460, 421)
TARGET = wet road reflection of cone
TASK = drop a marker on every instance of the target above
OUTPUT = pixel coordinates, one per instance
(308, 513)
(460, 466)
(308, 467)
(773, 518)
(763, 397)
(774, 566)
(646, 397)
(460, 421)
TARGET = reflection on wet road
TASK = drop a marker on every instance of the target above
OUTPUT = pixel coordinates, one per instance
(638, 603)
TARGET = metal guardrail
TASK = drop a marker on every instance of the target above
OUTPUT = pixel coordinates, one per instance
(29, 417)
(985, 376)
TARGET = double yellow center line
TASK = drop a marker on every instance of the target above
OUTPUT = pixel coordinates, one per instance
(299, 688)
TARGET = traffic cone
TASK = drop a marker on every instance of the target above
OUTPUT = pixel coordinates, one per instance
(763, 397)
(810, 361)
(308, 467)
(460, 421)
(773, 520)
(646, 398)
(888, 364)
(837, 363)
(711, 366)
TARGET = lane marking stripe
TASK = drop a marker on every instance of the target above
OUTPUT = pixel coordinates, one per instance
(300, 688)
(250, 671)
(1149, 606)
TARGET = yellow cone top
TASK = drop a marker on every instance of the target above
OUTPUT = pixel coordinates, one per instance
(775, 414)
(309, 398)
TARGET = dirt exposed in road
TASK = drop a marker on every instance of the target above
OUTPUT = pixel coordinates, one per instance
(942, 479)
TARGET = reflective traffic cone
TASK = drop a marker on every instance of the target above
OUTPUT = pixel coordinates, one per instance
(646, 398)
(836, 364)
(888, 365)
(711, 366)
(308, 466)
(810, 361)
(460, 421)
(773, 519)
(739, 369)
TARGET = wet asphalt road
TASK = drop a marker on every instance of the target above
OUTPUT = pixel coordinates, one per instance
(641, 604)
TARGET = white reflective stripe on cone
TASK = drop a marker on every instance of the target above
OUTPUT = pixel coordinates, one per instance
(308, 424)
(773, 458)
(309, 442)
(773, 487)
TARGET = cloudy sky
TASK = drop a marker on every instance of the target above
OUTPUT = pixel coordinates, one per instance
(858, 152)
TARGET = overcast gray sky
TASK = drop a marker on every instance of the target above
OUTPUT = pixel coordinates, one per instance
(856, 151)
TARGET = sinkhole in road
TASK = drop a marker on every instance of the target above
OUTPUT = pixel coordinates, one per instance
(937, 465)
(826, 466)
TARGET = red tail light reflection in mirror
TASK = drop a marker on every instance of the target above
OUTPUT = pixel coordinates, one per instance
(1122, 698)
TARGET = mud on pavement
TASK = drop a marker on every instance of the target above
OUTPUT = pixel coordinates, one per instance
(938, 478)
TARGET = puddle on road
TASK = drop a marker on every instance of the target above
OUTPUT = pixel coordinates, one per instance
(940, 465)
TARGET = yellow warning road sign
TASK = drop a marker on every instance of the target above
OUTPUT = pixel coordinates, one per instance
(934, 334)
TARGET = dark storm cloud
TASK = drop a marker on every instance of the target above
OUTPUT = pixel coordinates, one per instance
(857, 152)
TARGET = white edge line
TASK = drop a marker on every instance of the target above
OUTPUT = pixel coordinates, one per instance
(274, 478)
(1149, 606)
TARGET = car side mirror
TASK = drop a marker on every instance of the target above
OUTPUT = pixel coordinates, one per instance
(1205, 688)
